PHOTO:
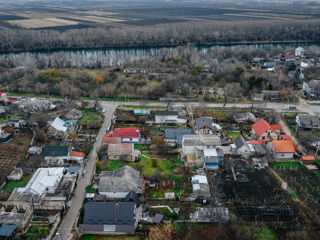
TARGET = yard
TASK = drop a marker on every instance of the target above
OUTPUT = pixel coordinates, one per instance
(286, 165)
(37, 232)
(91, 118)
(233, 135)
(109, 237)
(11, 185)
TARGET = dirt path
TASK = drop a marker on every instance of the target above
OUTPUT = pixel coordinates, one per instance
(287, 131)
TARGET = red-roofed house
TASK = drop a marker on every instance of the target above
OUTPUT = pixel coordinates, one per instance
(285, 137)
(126, 134)
(76, 156)
(308, 159)
(262, 130)
(257, 142)
(283, 149)
(3, 96)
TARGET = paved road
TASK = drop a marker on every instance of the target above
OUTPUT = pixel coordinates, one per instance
(68, 221)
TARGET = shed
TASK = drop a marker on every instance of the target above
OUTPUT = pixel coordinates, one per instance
(7, 230)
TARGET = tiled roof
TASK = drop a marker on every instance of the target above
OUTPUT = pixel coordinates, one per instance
(77, 154)
(203, 122)
(239, 142)
(176, 134)
(308, 158)
(109, 140)
(126, 132)
(120, 149)
(283, 146)
(285, 137)
(109, 213)
(275, 127)
(55, 151)
(261, 127)
(257, 142)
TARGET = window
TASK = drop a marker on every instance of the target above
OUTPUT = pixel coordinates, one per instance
(282, 155)
(130, 139)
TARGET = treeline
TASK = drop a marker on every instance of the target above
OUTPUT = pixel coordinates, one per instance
(202, 32)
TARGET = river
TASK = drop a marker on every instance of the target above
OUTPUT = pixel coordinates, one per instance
(116, 56)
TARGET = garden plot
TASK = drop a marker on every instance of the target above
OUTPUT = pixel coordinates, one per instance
(42, 22)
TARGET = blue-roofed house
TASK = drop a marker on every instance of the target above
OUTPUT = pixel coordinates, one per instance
(174, 136)
(140, 112)
(209, 157)
(6, 230)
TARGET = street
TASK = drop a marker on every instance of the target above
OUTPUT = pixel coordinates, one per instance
(68, 222)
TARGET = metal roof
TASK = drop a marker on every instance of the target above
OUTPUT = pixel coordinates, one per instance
(7, 230)
(55, 151)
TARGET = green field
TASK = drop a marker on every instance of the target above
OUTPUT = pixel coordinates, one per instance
(234, 135)
(287, 164)
(11, 185)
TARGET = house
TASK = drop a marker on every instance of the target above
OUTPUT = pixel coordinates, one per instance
(72, 171)
(117, 184)
(209, 157)
(109, 140)
(17, 123)
(126, 134)
(74, 114)
(211, 214)
(242, 147)
(205, 126)
(308, 121)
(173, 136)
(5, 137)
(246, 117)
(311, 90)
(269, 64)
(200, 187)
(169, 117)
(122, 151)
(283, 149)
(108, 218)
(192, 142)
(288, 57)
(76, 156)
(16, 174)
(56, 154)
(260, 149)
(44, 180)
(262, 130)
(35, 150)
(308, 159)
(299, 52)
(57, 128)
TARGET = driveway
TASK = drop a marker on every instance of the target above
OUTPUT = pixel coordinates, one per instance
(68, 222)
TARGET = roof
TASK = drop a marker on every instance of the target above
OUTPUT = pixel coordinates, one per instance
(203, 122)
(261, 127)
(239, 142)
(141, 112)
(55, 151)
(308, 158)
(157, 218)
(165, 113)
(299, 49)
(199, 179)
(1, 93)
(210, 152)
(7, 230)
(108, 140)
(124, 179)
(58, 124)
(283, 146)
(176, 134)
(260, 149)
(132, 196)
(42, 179)
(285, 137)
(109, 213)
(201, 140)
(275, 127)
(120, 149)
(74, 114)
(126, 132)
(77, 154)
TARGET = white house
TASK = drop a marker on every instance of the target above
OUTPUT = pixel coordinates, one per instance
(243, 148)
(44, 180)
(300, 52)
(57, 127)
(166, 117)
(3, 96)
(283, 149)
(192, 142)
(56, 155)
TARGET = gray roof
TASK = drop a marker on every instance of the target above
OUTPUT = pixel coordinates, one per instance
(260, 149)
(74, 114)
(109, 213)
(125, 179)
(309, 121)
(176, 134)
(165, 113)
(239, 142)
(50, 151)
(157, 218)
(203, 122)
(201, 140)
(7, 230)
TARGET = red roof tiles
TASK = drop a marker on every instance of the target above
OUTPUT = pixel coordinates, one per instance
(261, 127)
(308, 158)
(126, 132)
(283, 146)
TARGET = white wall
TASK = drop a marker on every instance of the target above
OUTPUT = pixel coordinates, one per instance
(133, 140)
(164, 119)
(283, 155)
(115, 194)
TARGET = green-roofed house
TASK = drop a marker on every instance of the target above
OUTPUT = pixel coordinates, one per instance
(56, 155)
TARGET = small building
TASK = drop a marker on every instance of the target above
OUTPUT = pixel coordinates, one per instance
(173, 136)
(300, 52)
(6, 231)
(283, 149)
(57, 128)
(311, 89)
(72, 171)
(44, 180)
(109, 218)
(200, 187)
(17, 123)
(3, 96)
(16, 174)
(308, 159)
(203, 125)
(169, 117)
(35, 150)
(122, 151)
(308, 121)
(126, 134)
(192, 142)
(262, 130)
(141, 112)
(209, 157)
(288, 57)
(242, 147)
(76, 156)
(117, 184)
(5, 137)
(56, 154)
(246, 117)
(74, 114)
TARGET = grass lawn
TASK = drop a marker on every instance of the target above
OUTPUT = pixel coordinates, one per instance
(11, 185)
(161, 193)
(141, 147)
(144, 107)
(90, 115)
(287, 164)
(109, 237)
(165, 212)
(4, 119)
(37, 232)
(265, 234)
(234, 135)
